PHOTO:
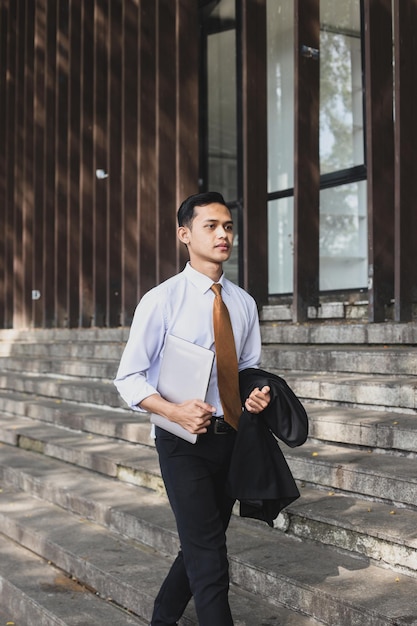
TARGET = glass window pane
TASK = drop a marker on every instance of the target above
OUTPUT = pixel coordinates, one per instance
(281, 245)
(343, 237)
(341, 103)
(221, 103)
(280, 68)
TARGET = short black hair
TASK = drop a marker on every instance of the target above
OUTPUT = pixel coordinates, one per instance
(185, 213)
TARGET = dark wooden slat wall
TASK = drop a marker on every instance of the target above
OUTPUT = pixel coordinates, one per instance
(105, 85)
(112, 85)
(405, 25)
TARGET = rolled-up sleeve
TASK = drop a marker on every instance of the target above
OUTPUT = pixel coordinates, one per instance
(138, 371)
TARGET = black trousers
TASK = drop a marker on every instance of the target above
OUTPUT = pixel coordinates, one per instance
(195, 478)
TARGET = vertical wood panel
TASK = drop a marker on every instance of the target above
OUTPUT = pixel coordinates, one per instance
(254, 142)
(129, 241)
(61, 165)
(39, 163)
(100, 218)
(187, 106)
(74, 164)
(114, 136)
(87, 165)
(18, 262)
(166, 146)
(306, 160)
(10, 159)
(147, 147)
(28, 167)
(405, 25)
(3, 157)
(49, 216)
(380, 155)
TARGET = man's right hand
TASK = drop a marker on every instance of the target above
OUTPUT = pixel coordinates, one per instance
(193, 415)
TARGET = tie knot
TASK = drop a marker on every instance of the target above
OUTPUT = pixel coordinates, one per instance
(217, 288)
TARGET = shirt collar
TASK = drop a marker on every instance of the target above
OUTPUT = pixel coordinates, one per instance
(201, 281)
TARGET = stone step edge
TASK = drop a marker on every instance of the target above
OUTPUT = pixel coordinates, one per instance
(303, 520)
(305, 591)
(339, 333)
(360, 332)
(359, 391)
(332, 423)
(26, 603)
(132, 462)
(104, 577)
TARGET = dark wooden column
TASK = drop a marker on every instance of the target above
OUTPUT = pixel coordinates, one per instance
(129, 204)
(187, 106)
(254, 149)
(306, 158)
(379, 156)
(166, 138)
(61, 166)
(114, 149)
(39, 161)
(18, 263)
(74, 144)
(10, 119)
(28, 167)
(3, 158)
(405, 45)
(87, 166)
(147, 147)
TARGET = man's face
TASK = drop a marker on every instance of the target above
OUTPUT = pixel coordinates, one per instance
(210, 235)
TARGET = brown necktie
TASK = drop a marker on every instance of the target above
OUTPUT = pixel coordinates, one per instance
(227, 370)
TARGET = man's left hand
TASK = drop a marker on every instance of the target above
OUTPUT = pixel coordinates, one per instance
(258, 400)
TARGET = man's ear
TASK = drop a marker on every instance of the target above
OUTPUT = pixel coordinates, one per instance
(183, 234)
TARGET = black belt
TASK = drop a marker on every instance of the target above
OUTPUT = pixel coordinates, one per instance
(219, 427)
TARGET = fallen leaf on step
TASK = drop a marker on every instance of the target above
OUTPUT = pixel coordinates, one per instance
(397, 580)
(315, 454)
(392, 512)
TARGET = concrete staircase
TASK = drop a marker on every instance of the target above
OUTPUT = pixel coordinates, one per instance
(86, 533)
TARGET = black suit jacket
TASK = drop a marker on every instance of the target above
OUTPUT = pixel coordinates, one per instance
(259, 476)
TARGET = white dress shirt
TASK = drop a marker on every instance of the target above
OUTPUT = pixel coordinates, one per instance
(183, 306)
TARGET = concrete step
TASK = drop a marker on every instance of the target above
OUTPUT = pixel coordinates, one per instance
(387, 430)
(9, 336)
(390, 393)
(99, 420)
(385, 477)
(339, 333)
(390, 479)
(80, 368)
(101, 360)
(125, 570)
(345, 425)
(387, 393)
(49, 350)
(84, 391)
(330, 585)
(338, 470)
(398, 360)
(34, 592)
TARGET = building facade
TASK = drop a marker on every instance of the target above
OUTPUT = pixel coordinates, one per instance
(301, 112)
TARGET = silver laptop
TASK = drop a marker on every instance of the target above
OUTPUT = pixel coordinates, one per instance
(184, 375)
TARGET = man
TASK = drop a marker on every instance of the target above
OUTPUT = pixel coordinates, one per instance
(194, 474)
